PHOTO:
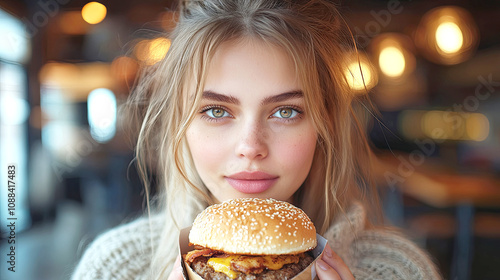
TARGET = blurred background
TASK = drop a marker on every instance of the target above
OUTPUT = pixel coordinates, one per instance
(66, 66)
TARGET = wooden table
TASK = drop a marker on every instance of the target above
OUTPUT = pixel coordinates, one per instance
(436, 185)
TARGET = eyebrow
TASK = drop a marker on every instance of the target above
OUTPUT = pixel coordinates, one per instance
(283, 97)
(211, 95)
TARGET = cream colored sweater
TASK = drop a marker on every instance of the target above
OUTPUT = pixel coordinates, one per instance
(126, 251)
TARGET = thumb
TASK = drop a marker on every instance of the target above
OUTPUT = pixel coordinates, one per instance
(325, 271)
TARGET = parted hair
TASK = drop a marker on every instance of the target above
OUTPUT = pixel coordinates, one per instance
(167, 94)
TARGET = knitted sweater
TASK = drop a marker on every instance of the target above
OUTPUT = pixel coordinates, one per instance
(125, 252)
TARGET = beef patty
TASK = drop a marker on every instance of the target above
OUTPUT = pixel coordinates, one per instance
(288, 271)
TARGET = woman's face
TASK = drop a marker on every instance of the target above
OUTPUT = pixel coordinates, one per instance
(252, 136)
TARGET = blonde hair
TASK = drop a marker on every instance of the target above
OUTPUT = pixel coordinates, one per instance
(311, 33)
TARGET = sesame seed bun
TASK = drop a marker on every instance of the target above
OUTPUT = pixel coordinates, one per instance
(254, 227)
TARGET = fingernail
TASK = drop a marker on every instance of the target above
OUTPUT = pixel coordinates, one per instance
(322, 264)
(328, 251)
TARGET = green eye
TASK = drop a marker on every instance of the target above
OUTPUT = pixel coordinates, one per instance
(217, 113)
(285, 113)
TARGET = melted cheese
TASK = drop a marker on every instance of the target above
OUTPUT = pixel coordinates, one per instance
(275, 263)
(223, 265)
(270, 262)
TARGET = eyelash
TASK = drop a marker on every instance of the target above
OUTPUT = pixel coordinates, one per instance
(295, 108)
(205, 109)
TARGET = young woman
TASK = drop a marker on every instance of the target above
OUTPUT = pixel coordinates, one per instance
(251, 101)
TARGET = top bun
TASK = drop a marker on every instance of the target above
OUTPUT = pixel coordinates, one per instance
(254, 227)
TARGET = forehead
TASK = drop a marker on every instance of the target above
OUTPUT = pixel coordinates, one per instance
(252, 66)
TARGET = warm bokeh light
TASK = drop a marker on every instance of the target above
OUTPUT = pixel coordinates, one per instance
(444, 125)
(151, 51)
(394, 54)
(76, 80)
(124, 68)
(359, 72)
(141, 50)
(58, 74)
(392, 62)
(410, 124)
(399, 85)
(449, 37)
(94, 12)
(158, 48)
(359, 76)
(478, 127)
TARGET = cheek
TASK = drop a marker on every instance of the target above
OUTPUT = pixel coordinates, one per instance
(297, 153)
(206, 148)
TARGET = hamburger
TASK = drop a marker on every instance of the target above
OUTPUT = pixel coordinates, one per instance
(250, 238)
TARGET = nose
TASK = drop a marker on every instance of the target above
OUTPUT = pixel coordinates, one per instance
(252, 142)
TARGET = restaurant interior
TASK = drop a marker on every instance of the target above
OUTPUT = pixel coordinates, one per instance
(431, 68)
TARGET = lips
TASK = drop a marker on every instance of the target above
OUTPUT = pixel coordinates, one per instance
(251, 182)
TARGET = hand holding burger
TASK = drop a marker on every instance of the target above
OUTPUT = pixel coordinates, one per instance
(251, 239)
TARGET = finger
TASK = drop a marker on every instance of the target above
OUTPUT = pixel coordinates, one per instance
(325, 271)
(334, 261)
(176, 273)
